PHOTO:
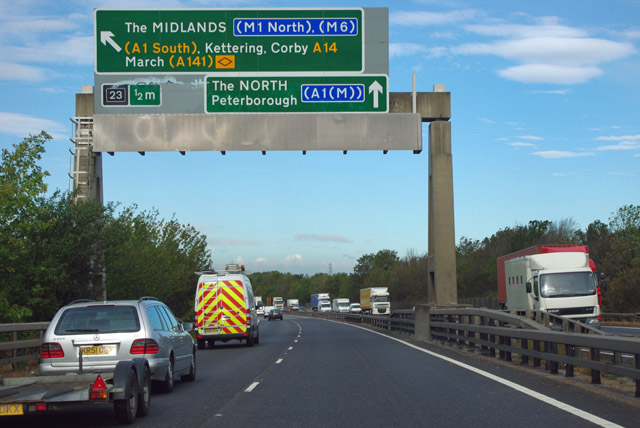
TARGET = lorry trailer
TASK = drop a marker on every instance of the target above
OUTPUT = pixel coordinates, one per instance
(321, 302)
(375, 301)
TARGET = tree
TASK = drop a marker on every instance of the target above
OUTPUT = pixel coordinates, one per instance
(146, 256)
(622, 263)
(22, 190)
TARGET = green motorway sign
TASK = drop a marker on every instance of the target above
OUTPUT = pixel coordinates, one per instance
(297, 94)
(241, 40)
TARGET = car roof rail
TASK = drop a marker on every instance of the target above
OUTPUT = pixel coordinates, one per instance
(145, 298)
(80, 301)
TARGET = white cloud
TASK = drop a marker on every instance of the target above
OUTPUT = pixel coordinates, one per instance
(77, 50)
(323, 238)
(622, 174)
(519, 144)
(21, 125)
(623, 145)
(11, 71)
(232, 242)
(410, 49)
(414, 18)
(547, 52)
(549, 73)
(619, 138)
(559, 154)
(531, 137)
(294, 258)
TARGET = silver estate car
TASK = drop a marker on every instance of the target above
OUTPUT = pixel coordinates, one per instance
(91, 337)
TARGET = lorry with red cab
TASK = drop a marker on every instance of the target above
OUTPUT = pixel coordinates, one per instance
(558, 279)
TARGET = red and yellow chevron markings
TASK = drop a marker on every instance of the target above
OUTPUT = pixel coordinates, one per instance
(221, 305)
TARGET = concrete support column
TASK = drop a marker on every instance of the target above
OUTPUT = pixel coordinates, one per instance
(442, 285)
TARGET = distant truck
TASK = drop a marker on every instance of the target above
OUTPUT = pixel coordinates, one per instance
(375, 301)
(278, 302)
(558, 279)
(340, 305)
(293, 304)
(321, 302)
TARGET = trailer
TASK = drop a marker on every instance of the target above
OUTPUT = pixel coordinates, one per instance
(321, 302)
(375, 301)
(128, 389)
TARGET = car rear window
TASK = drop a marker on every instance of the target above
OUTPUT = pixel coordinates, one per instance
(98, 319)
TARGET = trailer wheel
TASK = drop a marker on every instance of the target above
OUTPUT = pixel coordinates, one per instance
(144, 397)
(127, 408)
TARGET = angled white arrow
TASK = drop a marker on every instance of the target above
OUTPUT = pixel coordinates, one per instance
(106, 37)
(376, 88)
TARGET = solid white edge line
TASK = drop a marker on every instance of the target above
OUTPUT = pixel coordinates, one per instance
(252, 387)
(559, 404)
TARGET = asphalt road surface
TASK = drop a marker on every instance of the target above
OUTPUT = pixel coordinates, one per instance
(309, 372)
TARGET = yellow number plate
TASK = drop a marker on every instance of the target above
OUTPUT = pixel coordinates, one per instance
(98, 350)
(11, 409)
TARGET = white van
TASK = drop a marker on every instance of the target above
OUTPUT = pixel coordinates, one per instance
(225, 308)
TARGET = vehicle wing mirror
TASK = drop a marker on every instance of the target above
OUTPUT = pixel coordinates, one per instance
(603, 283)
(528, 287)
(187, 326)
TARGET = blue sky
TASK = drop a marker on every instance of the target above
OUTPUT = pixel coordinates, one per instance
(545, 126)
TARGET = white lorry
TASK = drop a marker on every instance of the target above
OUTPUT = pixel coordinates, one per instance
(292, 304)
(558, 283)
(321, 302)
(375, 301)
(278, 302)
(340, 305)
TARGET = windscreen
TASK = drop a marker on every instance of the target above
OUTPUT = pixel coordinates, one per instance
(380, 299)
(98, 319)
(567, 284)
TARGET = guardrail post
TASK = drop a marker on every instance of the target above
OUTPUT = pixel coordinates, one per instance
(536, 347)
(553, 365)
(14, 338)
(595, 374)
(524, 344)
(637, 358)
(571, 352)
(484, 336)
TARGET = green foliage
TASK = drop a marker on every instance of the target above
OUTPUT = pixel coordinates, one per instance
(146, 256)
(53, 251)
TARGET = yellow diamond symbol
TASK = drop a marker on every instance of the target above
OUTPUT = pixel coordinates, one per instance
(225, 61)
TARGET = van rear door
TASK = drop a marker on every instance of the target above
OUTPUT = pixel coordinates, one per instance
(232, 314)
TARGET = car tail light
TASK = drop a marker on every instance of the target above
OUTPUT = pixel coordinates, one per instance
(51, 350)
(144, 346)
(98, 390)
(40, 406)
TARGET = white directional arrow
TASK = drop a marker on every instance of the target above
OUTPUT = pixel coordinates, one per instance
(106, 37)
(376, 88)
